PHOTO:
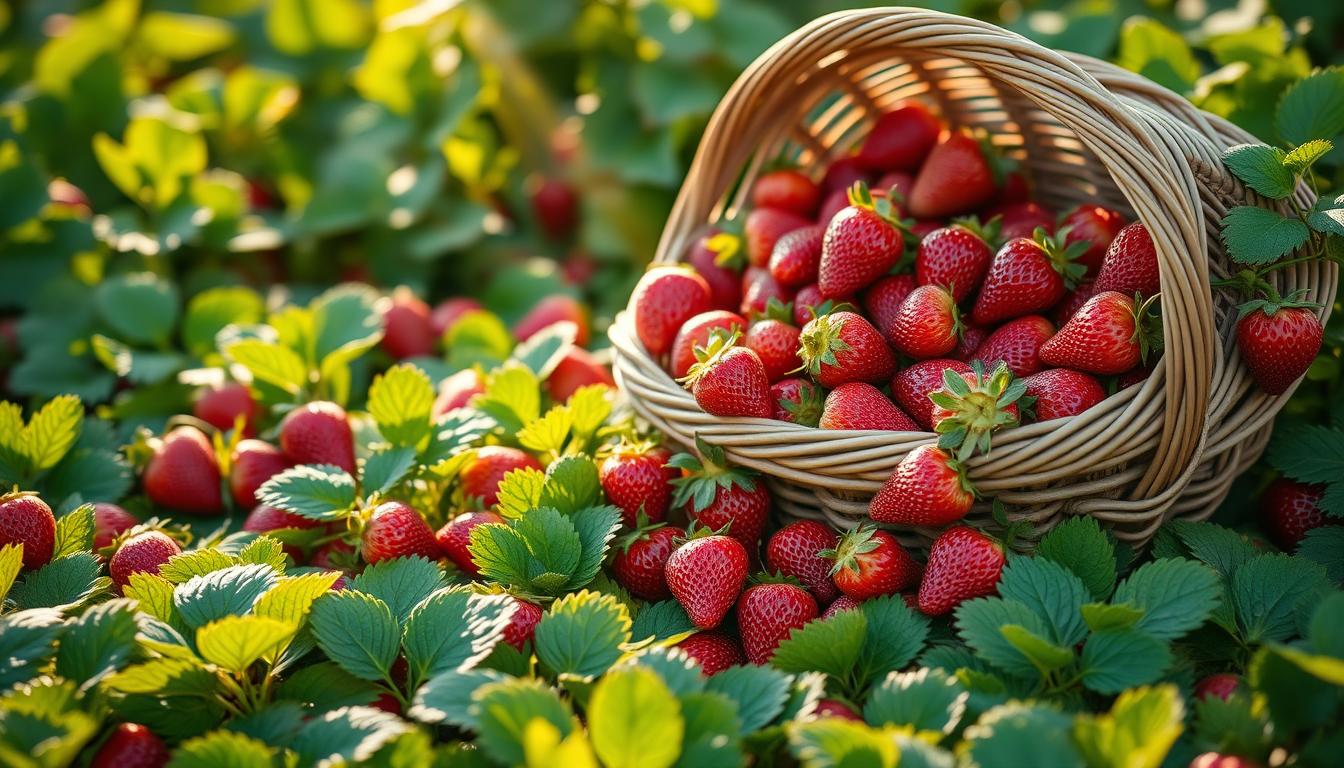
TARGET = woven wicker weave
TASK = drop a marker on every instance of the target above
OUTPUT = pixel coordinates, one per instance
(1082, 130)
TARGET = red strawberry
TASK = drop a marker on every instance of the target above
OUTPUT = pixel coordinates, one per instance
(954, 257)
(220, 406)
(861, 244)
(131, 746)
(836, 708)
(1095, 226)
(927, 488)
(454, 539)
(1130, 264)
(1073, 301)
(911, 387)
(695, 333)
(955, 178)
(759, 287)
(1017, 343)
(109, 522)
(577, 369)
(1133, 376)
(896, 185)
(263, 519)
(963, 564)
(142, 553)
(1060, 392)
(859, 405)
(1108, 335)
(808, 303)
(636, 478)
(1013, 190)
(1278, 339)
(395, 529)
(335, 555)
(841, 175)
(728, 380)
(318, 433)
(797, 256)
(713, 651)
(768, 613)
(787, 190)
(842, 347)
(870, 562)
(482, 475)
(882, 302)
(797, 400)
(1290, 509)
(555, 203)
(795, 550)
(927, 324)
(775, 342)
(663, 300)
(833, 203)
(718, 258)
(640, 558)
(447, 312)
(25, 519)
(764, 227)
(407, 330)
(717, 495)
(1023, 219)
(183, 473)
(841, 603)
(557, 308)
(706, 574)
(971, 406)
(1216, 760)
(1221, 685)
(522, 624)
(900, 139)
(972, 336)
(457, 390)
(1026, 276)
(253, 463)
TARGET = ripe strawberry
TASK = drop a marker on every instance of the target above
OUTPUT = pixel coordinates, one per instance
(842, 347)
(183, 473)
(1014, 189)
(577, 369)
(481, 477)
(955, 178)
(713, 651)
(900, 139)
(555, 203)
(318, 433)
(1095, 226)
(1289, 509)
(663, 300)
(1130, 264)
(1279, 340)
(637, 479)
(861, 244)
(407, 330)
(797, 256)
(264, 518)
(870, 562)
(808, 303)
(457, 390)
(695, 332)
(836, 708)
(109, 522)
(131, 746)
(927, 324)
(395, 529)
(833, 203)
(764, 227)
(927, 488)
(768, 613)
(841, 603)
(142, 553)
(25, 519)
(795, 550)
(719, 496)
(728, 380)
(841, 175)
(759, 288)
(1216, 760)
(882, 302)
(253, 463)
(454, 538)
(557, 308)
(1221, 685)
(788, 190)
(911, 387)
(1060, 392)
(859, 405)
(1108, 335)
(719, 259)
(1017, 343)
(220, 406)
(797, 400)
(1133, 376)
(963, 564)
(640, 558)
(1026, 276)
(954, 257)
(1073, 301)
(775, 342)
(522, 626)
(706, 574)
(1023, 219)
(447, 312)
(896, 185)
(972, 336)
(971, 406)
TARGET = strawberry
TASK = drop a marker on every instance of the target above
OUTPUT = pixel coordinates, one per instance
(842, 174)
(1018, 344)
(1131, 377)
(841, 603)
(695, 333)
(183, 473)
(637, 479)
(764, 227)
(447, 312)
(1108, 335)
(1278, 339)
(142, 553)
(457, 390)
(1060, 392)
(713, 651)
(705, 574)
(481, 477)
(808, 303)
(131, 746)
(1014, 189)
(663, 300)
(318, 433)
(759, 288)
(787, 190)
(395, 529)
(1026, 276)
(797, 256)
(555, 203)
(882, 302)
(836, 708)
(264, 518)
(407, 330)
(718, 258)
(775, 342)
(833, 203)
(797, 400)
(522, 626)
(842, 347)
(1073, 301)
(955, 178)
(728, 380)
(640, 558)
(454, 538)
(971, 406)
(954, 257)
(578, 368)
(335, 555)
(27, 520)
(963, 564)
(1289, 509)
(927, 324)
(768, 613)
(109, 522)
(1222, 685)
(911, 387)
(720, 496)
(1216, 760)
(900, 139)
(557, 308)
(859, 405)
(869, 562)
(1023, 219)
(1097, 227)
(795, 550)
(253, 463)
(972, 336)
(1130, 264)
(927, 488)
(896, 185)
(220, 406)
(861, 244)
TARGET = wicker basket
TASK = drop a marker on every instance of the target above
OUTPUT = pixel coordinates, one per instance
(1082, 130)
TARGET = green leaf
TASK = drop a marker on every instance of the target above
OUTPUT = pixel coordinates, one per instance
(346, 736)
(553, 543)
(544, 349)
(98, 642)
(402, 402)
(1313, 107)
(1221, 548)
(661, 621)
(448, 697)
(163, 677)
(832, 742)
(500, 554)
(978, 623)
(1080, 545)
(1327, 215)
(1264, 169)
(1236, 726)
(453, 630)
(1309, 453)
(590, 406)
(222, 749)
(26, 641)
(1175, 595)
(197, 562)
(634, 720)
(571, 484)
(74, 531)
(1052, 592)
(596, 526)
(1306, 155)
(264, 550)
(924, 699)
(1258, 236)
(1326, 630)
(52, 431)
(300, 27)
(481, 337)
(831, 646)
(1326, 668)
(1138, 731)
(384, 469)
(357, 631)
(1101, 616)
(293, 596)
(65, 581)
(1116, 659)
(1325, 545)
(504, 709)
(211, 310)
(1005, 733)
(153, 594)
(548, 433)
(712, 731)
(1297, 700)
(511, 395)
(678, 671)
(235, 642)
(520, 491)
(271, 363)
(1158, 53)
(141, 308)
(316, 491)
(400, 582)
(11, 561)
(582, 634)
(324, 686)
(759, 692)
(1043, 654)
(1268, 593)
(347, 324)
(227, 592)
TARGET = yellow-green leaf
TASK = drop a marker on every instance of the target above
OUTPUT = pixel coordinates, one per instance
(234, 642)
(52, 431)
(271, 363)
(291, 599)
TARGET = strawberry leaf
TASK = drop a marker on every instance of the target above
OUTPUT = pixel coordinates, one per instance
(1306, 155)
(221, 748)
(383, 470)
(1052, 592)
(712, 730)
(1221, 548)
(51, 432)
(357, 631)
(1325, 545)
(1258, 236)
(453, 630)
(831, 646)
(554, 545)
(1327, 216)
(64, 582)
(501, 554)
(894, 635)
(1264, 168)
(571, 484)
(27, 639)
(1175, 595)
(401, 401)
(479, 338)
(11, 561)
(1312, 108)
(544, 349)
(759, 692)
(229, 591)
(1116, 659)
(582, 634)
(634, 720)
(271, 363)
(1013, 729)
(197, 562)
(505, 709)
(1079, 545)
(292, 598)
(924, 699)
(661, 621)
(831, 742)
(235, 642)
(1309, 453)
(74, 531)
(447, 697)
(97, 643)
(346, 736)
(1100, 616)
(325, 686)
(978, 623)
(316, 491)
(511, 398)
(520, 491)
(596, 526)
(1138, 731)
(400, 582)
(1270, 592)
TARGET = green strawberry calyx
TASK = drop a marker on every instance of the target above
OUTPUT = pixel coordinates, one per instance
(859, 541)
(819, 342)
(991, 230)
(705, 475)
(727, 250)
(807, 409)
(708, 356)
(860, 196)
(643, 527)
(1148, 326)
(1062, 254)
(977, 408)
